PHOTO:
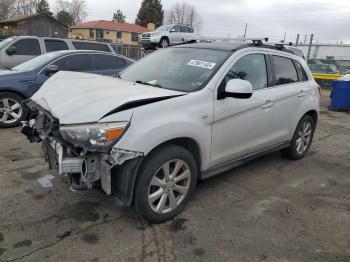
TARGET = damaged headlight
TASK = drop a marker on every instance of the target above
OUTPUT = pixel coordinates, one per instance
(94, 137)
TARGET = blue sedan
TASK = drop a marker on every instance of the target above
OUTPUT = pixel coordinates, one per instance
(22, 81)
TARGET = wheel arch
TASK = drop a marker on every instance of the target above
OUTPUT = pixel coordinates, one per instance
(314, 114)
(8, 90)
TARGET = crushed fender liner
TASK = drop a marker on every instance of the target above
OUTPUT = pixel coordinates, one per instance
(123, 179)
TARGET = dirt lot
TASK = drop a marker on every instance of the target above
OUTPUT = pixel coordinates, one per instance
(271, 209)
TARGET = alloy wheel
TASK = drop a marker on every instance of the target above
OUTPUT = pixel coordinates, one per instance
(169, 186)
(164, 43)
(304, 137)
(10, 110)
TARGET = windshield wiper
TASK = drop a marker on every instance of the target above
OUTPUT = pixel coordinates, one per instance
(147, 83)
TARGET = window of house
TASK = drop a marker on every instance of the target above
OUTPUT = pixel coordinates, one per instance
(285, 70)
(302, 73)
(81, 45)
(119, 34)
(251, 68)
(92, 33)
(30, 47)
(55, 45)
(134, 37)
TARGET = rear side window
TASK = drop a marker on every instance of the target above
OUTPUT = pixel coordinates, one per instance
(302, 73)
(184, 29)
(191, 30)
(27, 47)
(285, 70)
(90, 46)
(78, 62)
(251, 68)
(105, 62)
(55, 45)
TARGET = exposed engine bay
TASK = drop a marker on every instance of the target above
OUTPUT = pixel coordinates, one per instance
(85, 169)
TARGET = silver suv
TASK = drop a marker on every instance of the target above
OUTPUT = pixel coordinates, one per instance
(167, 35)
(179, 115)
(18, 49)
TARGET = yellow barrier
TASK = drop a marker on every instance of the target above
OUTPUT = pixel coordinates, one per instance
(327, 76)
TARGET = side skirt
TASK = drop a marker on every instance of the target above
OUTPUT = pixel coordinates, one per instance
(215, 170)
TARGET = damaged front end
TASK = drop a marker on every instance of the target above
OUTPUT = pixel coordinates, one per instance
(85, 153)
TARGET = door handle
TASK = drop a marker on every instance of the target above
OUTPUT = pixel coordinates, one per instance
(301, 94)
(267, 104)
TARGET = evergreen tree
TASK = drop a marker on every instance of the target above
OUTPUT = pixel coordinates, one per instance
(43, 8)
(65, 18)
(151, 11)
(119, 16)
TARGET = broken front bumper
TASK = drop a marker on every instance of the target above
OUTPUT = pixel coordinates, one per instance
(115, 170)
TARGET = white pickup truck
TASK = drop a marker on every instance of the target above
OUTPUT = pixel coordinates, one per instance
(167, 35)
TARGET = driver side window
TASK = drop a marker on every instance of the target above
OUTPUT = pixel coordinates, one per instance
(251, 68)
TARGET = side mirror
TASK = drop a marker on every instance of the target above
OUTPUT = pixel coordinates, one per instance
(11, 50)
(51, 69)
(172, 30)
(238, 88)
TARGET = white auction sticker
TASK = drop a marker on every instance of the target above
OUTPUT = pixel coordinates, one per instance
(202, 64)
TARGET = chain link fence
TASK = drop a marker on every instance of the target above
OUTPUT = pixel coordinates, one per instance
(135, 52)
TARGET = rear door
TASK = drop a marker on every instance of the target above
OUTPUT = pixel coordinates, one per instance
(285, 97)
(26, 48)
(242, 126)
(109, 65)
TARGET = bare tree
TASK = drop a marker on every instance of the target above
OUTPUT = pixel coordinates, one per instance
(5, 8)
(183, 13)
(23, 7)
(76, 8)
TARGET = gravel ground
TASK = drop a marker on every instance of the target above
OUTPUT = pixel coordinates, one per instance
(271, 209)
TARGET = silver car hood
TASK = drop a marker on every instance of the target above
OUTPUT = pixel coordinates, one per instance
(75, 98)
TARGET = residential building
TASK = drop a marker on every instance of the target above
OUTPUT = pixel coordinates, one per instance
(34, 25)
(108, 31)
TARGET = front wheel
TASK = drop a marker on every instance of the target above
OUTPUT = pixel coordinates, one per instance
(165, 184)
(12, 111)
(164, 42)
(302, 139)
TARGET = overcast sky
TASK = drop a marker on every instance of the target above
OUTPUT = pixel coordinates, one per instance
(328, 20)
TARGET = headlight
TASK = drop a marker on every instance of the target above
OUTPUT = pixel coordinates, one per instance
(94, 137)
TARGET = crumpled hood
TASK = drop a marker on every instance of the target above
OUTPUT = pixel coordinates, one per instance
(75, 98)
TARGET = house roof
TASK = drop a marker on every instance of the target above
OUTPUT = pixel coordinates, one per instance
(111, 25)
(19, 18)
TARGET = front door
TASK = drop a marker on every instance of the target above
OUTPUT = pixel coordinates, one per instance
(175, 35)
(242, 126)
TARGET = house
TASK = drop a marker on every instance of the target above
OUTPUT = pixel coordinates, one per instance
(108, 31)
(34, 25)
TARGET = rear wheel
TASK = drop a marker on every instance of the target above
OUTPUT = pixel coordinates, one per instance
(302, 139)
(12, 111)
(166, 182)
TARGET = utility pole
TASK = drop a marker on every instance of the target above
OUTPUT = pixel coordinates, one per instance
(297, 40)
(309, 50)
(245, 30)
(284, 38)
(305, 37)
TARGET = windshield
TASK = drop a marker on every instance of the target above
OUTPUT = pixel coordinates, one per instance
(36, 62)
(164, 28)
(181, 69)
(5, 42)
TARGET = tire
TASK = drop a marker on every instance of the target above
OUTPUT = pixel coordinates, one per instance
(164, 42)
(299, 138)
(148, 198)
(12, 111)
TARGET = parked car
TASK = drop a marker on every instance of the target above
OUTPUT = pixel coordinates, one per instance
(18, 49)
(168, 35)
(24, 80)
(179, 115)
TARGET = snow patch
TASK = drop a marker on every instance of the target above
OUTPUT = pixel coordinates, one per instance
(45, 181)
